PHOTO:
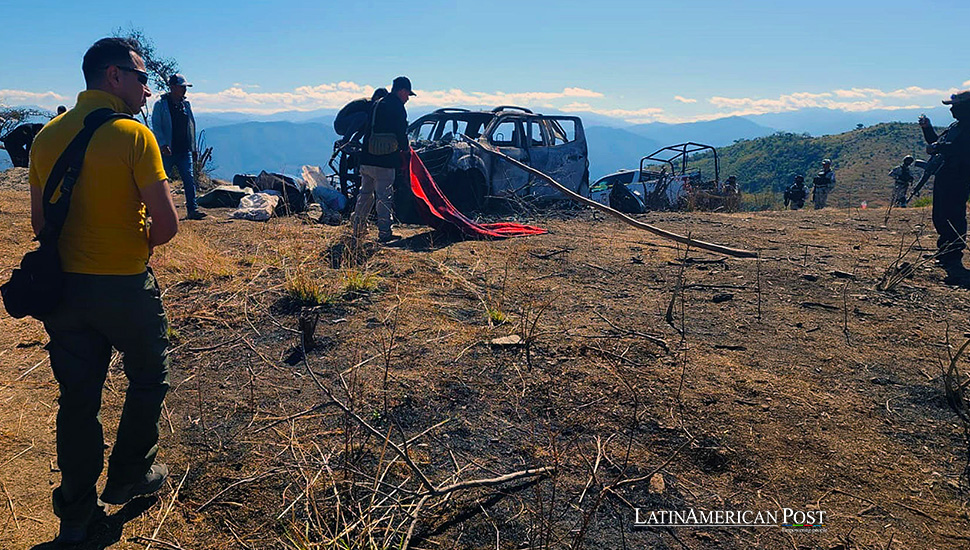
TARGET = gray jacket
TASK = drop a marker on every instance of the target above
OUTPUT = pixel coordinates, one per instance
(162, 123)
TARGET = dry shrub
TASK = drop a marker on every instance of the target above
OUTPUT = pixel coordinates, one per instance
(190, 257)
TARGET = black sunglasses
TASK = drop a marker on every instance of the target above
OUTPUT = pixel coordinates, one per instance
(142, 75)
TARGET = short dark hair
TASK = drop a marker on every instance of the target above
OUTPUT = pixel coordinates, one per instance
(106, 52)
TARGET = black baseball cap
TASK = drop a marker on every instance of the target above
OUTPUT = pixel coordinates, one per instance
(177, 80)
(955, 99)
(402, 83)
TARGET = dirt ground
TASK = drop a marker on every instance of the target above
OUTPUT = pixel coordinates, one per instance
(789, 382)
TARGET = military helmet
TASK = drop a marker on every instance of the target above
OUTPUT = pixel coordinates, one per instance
(908, 159)
(826, 162)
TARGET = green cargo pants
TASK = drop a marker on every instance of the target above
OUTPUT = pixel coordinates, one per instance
(100, 312)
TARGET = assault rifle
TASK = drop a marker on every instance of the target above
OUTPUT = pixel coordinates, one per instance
(930, 168)
(936, 161)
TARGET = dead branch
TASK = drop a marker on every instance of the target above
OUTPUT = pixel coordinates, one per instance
(293, 416)
(735, 252)
(649, 337)
(491, 482)
(820, 305)
(146, 541)
(548, 255)
(168, 510)
(670, 459)
(669, 315)
(233, 485)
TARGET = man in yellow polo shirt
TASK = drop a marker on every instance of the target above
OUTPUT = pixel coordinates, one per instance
(111, 299)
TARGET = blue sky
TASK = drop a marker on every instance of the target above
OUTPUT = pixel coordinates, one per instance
(638, 61)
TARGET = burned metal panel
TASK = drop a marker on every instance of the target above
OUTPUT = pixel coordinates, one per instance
(562, 153)
(507, 135)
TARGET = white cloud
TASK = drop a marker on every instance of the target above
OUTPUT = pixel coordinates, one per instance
(250, 98)
(48, 100)
(851, 100)
(336, 95)
(650, 114)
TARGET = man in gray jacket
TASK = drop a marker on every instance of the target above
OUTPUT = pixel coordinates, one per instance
(174, 128)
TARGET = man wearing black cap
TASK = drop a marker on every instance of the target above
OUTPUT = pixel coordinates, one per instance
(385, 149)
(951, 188)
(174, 128)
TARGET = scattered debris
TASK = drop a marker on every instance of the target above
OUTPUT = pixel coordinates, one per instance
(510, 341)
(725, 297)
(730, 347)
(841, 274)
(820, 305)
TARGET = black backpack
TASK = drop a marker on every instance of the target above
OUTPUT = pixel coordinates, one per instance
(346, 123)
(35, 288)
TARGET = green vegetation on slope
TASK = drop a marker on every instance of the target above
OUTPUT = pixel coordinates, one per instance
(862, 159)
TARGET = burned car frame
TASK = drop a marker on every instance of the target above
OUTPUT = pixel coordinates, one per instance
(675, 186)
(475, 180)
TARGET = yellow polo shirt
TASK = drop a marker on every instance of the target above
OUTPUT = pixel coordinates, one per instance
(105, 232)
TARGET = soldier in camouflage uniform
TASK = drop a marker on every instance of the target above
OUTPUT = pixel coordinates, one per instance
(902, 178)
(796, 193)
(823, 183)
(951, 187)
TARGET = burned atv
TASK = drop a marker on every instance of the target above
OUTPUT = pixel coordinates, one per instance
(665, 181)
(475, 180)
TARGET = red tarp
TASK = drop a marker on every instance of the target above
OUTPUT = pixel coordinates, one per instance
(437, 211)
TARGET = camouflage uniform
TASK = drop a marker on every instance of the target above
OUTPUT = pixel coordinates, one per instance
(902, 177)
(795, 194)
(823, 182)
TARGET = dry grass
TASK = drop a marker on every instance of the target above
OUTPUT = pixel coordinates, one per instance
(774, 412)
(192, 258)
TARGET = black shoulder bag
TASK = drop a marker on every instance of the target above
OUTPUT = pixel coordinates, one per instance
(35, 289)
(380, 144)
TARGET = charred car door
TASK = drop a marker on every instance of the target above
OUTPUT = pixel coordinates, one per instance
(507, 135)
(557, 147)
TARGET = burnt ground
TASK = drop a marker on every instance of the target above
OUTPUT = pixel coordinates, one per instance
(796, 384)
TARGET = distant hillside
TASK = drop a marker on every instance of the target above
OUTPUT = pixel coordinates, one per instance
(611, 149)
(861, 158)
(817, 121)
(272, 146)
(722, 131)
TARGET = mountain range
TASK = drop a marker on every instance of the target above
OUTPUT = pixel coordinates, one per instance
(244, 142)
(289, 139)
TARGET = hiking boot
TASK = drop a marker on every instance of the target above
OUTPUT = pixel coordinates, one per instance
(388, 238)
(956, 274)
(151, 482)
(74, 532)
(196, 215)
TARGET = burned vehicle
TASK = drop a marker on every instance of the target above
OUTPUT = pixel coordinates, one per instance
(475, 180)
(665, 180)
